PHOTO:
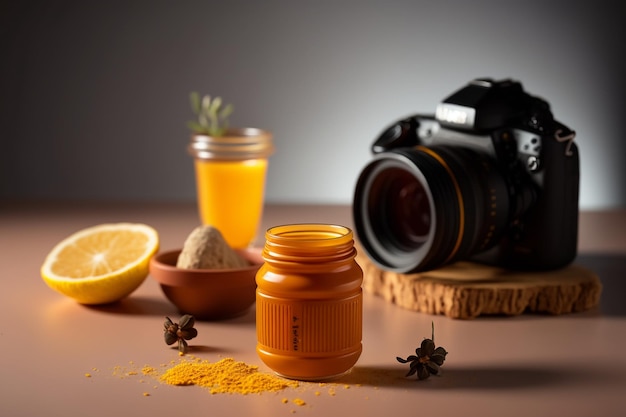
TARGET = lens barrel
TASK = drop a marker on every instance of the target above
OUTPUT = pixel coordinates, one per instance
(417, 209)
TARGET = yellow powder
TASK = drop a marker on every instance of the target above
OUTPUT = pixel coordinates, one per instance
(148, 370)
(232, 377)
(225, 376)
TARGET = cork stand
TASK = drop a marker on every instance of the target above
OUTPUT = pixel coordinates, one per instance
(467, 290)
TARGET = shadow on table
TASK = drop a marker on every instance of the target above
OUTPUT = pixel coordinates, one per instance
(518, 377)
(491, 378)
(138, 305)
(611, 269)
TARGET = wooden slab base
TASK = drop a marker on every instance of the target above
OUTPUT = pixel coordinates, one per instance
(466, 290)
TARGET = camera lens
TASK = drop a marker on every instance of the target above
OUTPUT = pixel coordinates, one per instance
(410, 207)
(396, 194)
(420, 208)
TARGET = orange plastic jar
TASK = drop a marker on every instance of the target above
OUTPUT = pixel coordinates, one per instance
(230, 181)
(309, 302)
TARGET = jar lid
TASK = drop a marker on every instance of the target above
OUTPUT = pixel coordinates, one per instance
(309, 243)
(235, 144)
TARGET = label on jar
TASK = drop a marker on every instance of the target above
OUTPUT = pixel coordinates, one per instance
(309, 327)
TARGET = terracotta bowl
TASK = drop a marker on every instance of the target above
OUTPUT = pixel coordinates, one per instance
(207, 294)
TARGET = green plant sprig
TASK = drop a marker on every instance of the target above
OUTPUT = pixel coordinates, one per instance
(212, 117)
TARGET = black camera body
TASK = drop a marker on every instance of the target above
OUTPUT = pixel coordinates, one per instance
(491, 178)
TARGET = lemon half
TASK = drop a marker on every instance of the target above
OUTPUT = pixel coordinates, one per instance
(101, 264)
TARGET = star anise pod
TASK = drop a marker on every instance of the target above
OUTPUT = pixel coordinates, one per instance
(427, 358)
(180, 332)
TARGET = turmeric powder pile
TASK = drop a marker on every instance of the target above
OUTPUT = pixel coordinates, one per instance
(228, 376)
(225, 376)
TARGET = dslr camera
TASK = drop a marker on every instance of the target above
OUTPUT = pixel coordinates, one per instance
(491, 177)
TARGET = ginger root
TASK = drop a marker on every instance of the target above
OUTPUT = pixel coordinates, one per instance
(205, 248)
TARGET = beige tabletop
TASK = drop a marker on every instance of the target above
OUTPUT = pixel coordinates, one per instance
(529, 365)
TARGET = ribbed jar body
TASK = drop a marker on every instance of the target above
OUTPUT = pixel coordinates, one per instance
(309, 303)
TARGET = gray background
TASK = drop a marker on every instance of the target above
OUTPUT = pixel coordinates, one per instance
(94, 95)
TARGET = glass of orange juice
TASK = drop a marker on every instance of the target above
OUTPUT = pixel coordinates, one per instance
(230, 181)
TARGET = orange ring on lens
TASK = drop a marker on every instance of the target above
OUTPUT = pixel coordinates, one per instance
(458, 195)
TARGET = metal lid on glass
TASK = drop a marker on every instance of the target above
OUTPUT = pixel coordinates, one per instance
(235, 144)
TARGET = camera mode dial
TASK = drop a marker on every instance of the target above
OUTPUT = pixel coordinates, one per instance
(529, 148)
